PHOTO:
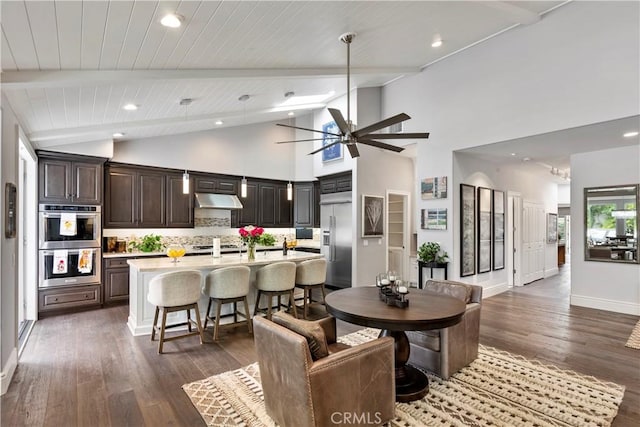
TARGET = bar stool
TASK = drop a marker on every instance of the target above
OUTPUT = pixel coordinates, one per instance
(275, 280)
(311, 275)
(171, 292)
(224, 286)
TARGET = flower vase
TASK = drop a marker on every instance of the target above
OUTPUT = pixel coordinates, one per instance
(251, 251)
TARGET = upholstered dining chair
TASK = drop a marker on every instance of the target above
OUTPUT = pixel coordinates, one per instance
(446, 351)
(310, 380)
(275, 280)
(225, 286)
(171, 292)
(310, 275)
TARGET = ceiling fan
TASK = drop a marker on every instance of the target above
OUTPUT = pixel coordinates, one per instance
(348, 135)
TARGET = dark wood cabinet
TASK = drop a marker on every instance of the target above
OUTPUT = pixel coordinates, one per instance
(145, 198)
(268, 202)
(335, 183)
(248, 215)
(303, 204)
(284, 207)
(216, 184)
(67, 298)
(70, 179)
(115, 281)
(179, 205)
(316, 204)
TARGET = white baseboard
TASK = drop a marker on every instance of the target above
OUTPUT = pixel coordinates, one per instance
(489, 291)
(551, 272)
(7, 371)
(606, 304)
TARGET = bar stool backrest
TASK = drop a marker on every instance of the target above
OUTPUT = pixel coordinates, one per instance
(278, 276)
(311, 272)
(228, 282)
(175, 288)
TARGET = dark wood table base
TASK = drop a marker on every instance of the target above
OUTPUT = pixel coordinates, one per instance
(411, 383)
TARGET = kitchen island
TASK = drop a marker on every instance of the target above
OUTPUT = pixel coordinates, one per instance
(142, 270)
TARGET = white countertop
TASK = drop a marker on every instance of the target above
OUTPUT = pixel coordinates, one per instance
(207, 261)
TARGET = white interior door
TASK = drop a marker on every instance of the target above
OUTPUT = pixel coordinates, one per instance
(533, 238)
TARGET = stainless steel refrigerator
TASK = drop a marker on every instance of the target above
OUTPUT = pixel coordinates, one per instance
(336, 225)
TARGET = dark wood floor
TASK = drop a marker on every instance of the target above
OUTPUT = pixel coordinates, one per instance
(86, 369)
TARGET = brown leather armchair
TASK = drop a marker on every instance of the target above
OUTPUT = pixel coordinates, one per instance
(446, 351)
(353, 384)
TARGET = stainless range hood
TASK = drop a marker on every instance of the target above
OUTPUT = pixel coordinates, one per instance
(217, 201)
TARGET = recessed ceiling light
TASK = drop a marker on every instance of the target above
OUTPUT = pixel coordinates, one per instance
(130, 107)
(118, 135)
(291, 113)
(306, 99)
(172, 20)
(219, 122)
(526, 159)
(436, 43)
(513, 154)
(631, 134)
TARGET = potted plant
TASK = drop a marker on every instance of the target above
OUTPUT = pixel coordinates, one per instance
(431, 252)
(148, 243)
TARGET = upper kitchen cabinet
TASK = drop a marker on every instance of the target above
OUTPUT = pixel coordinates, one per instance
(336, 183)
(179, 205)
(248, 215)
(70, 179)
(266, 205)
(135, 198)
(304, 200)
(216, 184)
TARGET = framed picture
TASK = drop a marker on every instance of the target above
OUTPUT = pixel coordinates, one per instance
(467, 230)
(372, 216)
(434, 188)
(334, 152)
(498, 230)
(552, 228)
(10, 210)
(434, 219)
(484, 229)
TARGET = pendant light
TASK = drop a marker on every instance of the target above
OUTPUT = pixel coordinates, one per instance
(243, 183)
(243, 187)
(185, 182)
(289, 191)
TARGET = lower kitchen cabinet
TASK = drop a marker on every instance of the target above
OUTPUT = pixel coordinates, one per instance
(53, 299)
(115, 280)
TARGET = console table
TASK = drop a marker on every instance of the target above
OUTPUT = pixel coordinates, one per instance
(431, 266)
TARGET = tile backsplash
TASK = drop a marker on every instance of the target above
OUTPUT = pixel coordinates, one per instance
(208, 223)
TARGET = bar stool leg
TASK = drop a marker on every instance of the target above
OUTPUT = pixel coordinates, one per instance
(255, 311)
(270, 303)
(217, 321)
(293, 304)
(206, 316)
(164, 322)
(307, 301)
(246, 311)
(155, 322)
(235, 312)
(199, 325)
(189, 320)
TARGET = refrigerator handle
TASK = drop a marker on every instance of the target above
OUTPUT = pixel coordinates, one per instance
(332, 248)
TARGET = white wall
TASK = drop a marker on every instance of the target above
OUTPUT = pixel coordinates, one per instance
(608, 286)
(245, 150)
(564, 194)
(101, 148)
(9, 251)
(578, 65)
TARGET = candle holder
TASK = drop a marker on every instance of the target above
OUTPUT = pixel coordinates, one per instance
(395, 294)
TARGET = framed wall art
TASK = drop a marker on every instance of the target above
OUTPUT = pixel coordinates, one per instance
(372, 216)
(484, 229)
(434, 188)
(334, 152)
(467, 230)
(552, 228)
(498, 230)
(434, 219)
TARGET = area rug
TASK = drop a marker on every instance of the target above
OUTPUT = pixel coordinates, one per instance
(497, 389)
(634, 339)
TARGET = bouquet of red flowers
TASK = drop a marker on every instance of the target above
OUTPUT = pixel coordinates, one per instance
(251, 235)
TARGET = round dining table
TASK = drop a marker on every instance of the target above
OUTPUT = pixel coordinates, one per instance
(426, 310)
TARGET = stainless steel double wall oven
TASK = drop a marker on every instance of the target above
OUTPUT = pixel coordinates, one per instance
(71, 247)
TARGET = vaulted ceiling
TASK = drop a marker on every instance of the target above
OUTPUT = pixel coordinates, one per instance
(68, 67)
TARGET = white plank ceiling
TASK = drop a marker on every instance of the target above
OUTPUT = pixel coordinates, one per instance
(68, 67)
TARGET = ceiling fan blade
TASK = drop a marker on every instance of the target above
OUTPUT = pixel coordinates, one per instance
(353, 150)
(381, 124)
(325, 147)
(340, 121)
(310, 130)
(380, 145)
(398, 135)
(299, 140)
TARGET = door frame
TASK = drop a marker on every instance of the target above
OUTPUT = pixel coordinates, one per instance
(514, 238)
(406, 198)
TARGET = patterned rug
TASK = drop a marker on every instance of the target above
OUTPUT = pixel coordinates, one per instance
(497, 389)
(634, 339)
